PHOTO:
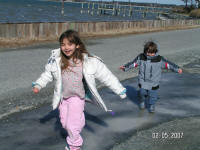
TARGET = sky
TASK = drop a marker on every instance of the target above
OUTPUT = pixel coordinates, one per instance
(176, 2)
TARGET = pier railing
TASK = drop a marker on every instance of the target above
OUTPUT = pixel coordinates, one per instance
(117, 9)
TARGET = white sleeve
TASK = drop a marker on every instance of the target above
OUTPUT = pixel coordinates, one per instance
(45, 77)
(104, 75)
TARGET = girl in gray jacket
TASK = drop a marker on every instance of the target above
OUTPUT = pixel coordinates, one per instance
(150, 68)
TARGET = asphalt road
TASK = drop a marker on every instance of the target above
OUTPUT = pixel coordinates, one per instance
(20, 66)
(39, 128)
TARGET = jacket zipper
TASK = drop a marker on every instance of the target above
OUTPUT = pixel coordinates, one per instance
(144, 72)
(151, 72)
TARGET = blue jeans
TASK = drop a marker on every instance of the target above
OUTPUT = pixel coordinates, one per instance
(152, 96)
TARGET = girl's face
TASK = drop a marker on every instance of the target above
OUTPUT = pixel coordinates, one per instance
(68, 48)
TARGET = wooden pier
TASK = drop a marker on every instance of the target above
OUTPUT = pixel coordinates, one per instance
(119, 9)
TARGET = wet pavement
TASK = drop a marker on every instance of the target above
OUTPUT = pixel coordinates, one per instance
(40, 128)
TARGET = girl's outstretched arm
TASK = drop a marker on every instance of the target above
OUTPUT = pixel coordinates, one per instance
(35, 90)
(104, 75)
(44, 78)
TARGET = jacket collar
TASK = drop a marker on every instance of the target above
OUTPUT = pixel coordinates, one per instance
(151, 57)
(55, 53)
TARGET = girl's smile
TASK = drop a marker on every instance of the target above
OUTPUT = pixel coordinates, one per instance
(68, 52)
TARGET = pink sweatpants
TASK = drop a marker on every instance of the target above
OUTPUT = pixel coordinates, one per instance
(73, 120)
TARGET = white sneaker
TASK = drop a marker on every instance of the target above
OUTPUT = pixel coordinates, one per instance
(67, 147)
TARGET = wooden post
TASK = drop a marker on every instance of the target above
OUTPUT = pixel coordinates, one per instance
(98, 8)
(82, 7)
(92, 12)
(88, 7)
(104, 8)
(113, 8)
(124, 11)
(130, 9)
(101, 6)
(62, 9)
(144, 14)
(119, 9)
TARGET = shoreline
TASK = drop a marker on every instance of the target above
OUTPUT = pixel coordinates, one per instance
(27, 43)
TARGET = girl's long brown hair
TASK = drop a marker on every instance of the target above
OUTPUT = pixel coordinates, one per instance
(73, 37)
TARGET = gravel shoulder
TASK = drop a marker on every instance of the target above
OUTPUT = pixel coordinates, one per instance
(179, 134)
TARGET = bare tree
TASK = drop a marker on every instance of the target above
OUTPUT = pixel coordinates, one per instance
(197, 3)
(191, 3)
(186, 3)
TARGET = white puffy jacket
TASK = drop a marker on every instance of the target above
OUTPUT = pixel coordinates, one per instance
(93, 67)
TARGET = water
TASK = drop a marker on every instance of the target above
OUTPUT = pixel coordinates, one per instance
(20, 11)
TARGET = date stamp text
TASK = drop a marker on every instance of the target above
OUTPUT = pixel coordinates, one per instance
(167, 135)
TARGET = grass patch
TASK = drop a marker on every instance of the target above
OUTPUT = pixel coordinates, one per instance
(195, 13)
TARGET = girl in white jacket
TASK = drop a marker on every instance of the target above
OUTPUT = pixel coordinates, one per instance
(74, 71)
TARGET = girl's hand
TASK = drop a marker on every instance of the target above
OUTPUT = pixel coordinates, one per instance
(36, 90)
(122, 68)
(180, 71)
(123, 96)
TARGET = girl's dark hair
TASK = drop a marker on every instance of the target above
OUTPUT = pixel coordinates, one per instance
(150, 47)
(73, 37)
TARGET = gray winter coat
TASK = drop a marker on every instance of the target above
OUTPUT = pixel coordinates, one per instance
(150, 68)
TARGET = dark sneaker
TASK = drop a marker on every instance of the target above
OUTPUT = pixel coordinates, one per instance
(142, 105)
(152, 108)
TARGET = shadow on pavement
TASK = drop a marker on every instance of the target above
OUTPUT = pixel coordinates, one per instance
(58, 127)
(132, 94)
